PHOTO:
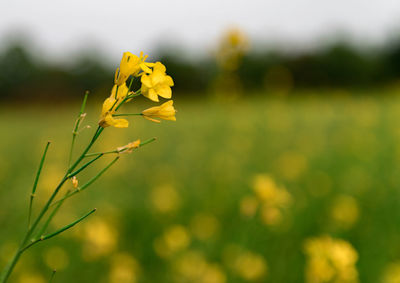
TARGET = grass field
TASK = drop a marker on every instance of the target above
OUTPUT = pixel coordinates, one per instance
(228, 193)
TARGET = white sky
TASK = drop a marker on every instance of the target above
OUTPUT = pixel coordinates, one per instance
(61, 27)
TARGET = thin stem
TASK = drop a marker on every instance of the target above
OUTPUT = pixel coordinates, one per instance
(49, 236)
(130, 85)
(52, 275)
(116, 92)
(120, 151)
(6, 273)
(36, 182)
(128, 114)
(96, 135)
(78, 121)
(91, 181)
(137, 93)
(84, 166)
(52, 214)
(104, 153)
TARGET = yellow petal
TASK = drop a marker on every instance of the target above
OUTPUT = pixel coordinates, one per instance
(168, 80)
(168, 103)
(157, 77)
(122, 91)
(146, 81)
(169, 118)
(164, 91)
(145, 68)
(107, 104)
(159, 67)
(121, 123)
(151, 119)
(151, 111)
(109, 120)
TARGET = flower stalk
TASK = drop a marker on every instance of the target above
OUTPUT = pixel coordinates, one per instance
(35, 184)
(155, 83)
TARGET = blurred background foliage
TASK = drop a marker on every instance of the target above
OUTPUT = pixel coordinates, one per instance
(281, 167)
(336, 65)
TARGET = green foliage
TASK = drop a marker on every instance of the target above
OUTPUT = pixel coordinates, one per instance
(318, 147)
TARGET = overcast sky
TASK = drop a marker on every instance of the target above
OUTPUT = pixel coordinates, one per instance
(61, 27)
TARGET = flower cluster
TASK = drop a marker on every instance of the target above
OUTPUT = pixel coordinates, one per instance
(272, 199)
(330, 260)
(154, 82)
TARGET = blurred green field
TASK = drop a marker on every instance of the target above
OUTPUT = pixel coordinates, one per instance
(182, 209)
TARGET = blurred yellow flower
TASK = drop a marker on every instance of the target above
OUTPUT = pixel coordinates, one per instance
(213, 274)
(124, 268)
(165, 111)
(232, 47)
(107, 119)
(292, 165)
(158, 83)
(271, 215)
(31, 278)
(100, 239)
(165, 199)
(345, 211)
(244, 263)
(392, 273)
(268, 191)
(175, 238)
(248, 206)
(273, 199)
(56, 258)
(237, 37)
(250, 266)
(192, 267)
(330, 260)
(204, 226)
(130, 66)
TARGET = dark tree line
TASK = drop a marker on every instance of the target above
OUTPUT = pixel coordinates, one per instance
(25, 77)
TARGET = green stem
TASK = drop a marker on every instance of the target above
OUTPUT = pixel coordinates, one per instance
(91, 181)
(36, 182)
(104, 153)
(84, 166)
(49, 236)
(6, 273)
(52, 214)
(96, 135)
(52, 275)
(117, 151)
(78, 121)
(137, 93)
(128, 114)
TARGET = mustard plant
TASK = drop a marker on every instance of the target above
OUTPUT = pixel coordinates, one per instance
(154, 83)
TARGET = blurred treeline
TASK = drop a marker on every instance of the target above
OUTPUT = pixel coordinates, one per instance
(25, 76)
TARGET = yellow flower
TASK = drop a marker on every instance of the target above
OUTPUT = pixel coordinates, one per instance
(106, 115)
(158, 83)
(165, 111)
(129, 147)
(330, 260)
(130, 66)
